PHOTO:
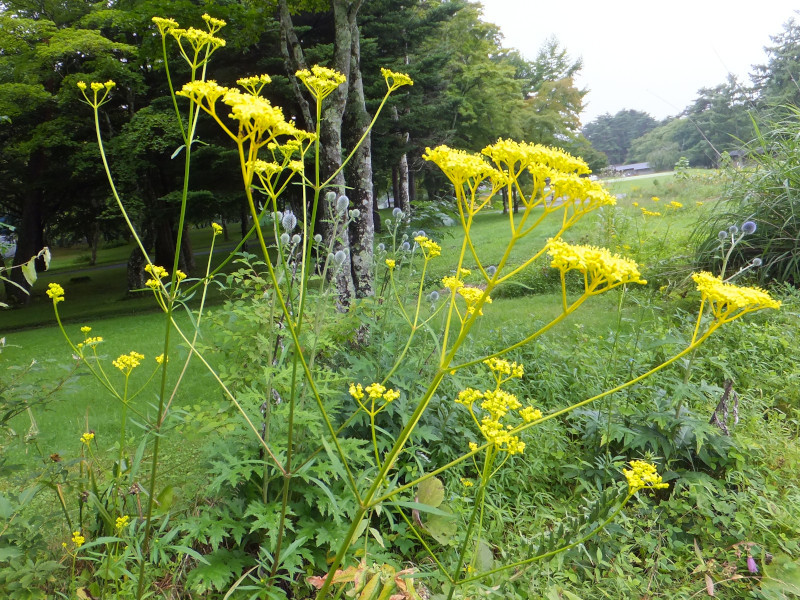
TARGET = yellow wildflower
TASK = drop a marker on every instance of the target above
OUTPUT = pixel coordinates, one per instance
(500, 366)
(460, 166)
(650, 213)
(602, 269)
(655, 199)
(81, 86)
(530, 414)
(391, 395)
(452, 283)
(356, 391)
(375, 391)
(472, 296)
(473, 446)
(128, 362)
(213, 24)
(390, 263)
(122, 522)
(468, 396)
(636, 204)
(395, 80)
(320, 81)
(675, 205)
(87, 437)
(466, 482)
(430, 249)
(198, 39)
(643, 475)
(464, 272)
(85, 329)
(165, 24)
(180, 275)
(78, 539)
(730, 301)
(160, 359)
(55, 292)
(217, 228)
(156, 271)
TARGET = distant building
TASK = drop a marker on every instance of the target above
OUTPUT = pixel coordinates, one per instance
(642, 168)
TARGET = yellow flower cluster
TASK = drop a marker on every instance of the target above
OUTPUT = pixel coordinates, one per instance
(462, 167)
(500, 367)
(430, 249)
(122, 522)
(320, 81)
(89, 341)
(530, 414)
(128, 362)
(468, 397)
(390, 263)
(165, 24)
(655, 199)
(374, 391)
(602, 269)
(464, 272)
(649, 213)
(254, 84)
(730, 301)
(160, 359)
(87, 437)
(675, 205)
(580, 193)
(452, 283)
(515, 156)
(472, 296)
(217, 228)
(78, 539)
(85, 329)
(496, 404)
(155, 271)
(55, 292)
(198, 39)
(395, 80)
(466, 482)
(643, 476)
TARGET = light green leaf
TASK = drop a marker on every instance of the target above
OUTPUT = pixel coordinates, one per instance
(29, 271)
(431, 492)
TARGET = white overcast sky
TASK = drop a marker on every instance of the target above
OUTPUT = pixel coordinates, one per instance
(649, 56)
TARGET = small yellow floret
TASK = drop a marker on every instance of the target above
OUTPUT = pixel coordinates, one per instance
(217, 228)
(395, 80)
(643, 476)
(356, 391)
(78, 539)
(122, 522)
(55, 292)
(128, 362)
(87, 437)
(320, 81)
(390, 263)
(430, 249)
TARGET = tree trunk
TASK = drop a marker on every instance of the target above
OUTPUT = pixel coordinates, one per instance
(293, 60)
(395, 184)
(412, 188)
(404, 201)
(359, 173)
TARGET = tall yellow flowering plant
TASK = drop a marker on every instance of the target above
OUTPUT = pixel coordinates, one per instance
(551, 186)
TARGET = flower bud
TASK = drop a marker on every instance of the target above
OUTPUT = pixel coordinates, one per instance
(751, 565)
(397, 213)
(295, 239)
(381, 247)
(757, 262)
(339, 257)
(355, 213)
(433, 296)
(330, 197)
(748, 227)
(722, 235)
(388, 222)
(733, 229)
(284, 238)
(491, 270)
(342, 203)
(318, 238)
(405, 247)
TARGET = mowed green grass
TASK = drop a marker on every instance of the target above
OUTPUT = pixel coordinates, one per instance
(136, 325)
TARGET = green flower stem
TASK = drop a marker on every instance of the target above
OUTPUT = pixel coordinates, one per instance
(529, 560)
(477, 507)
(193, 349)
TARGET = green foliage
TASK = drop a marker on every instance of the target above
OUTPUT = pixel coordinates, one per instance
(765, 194)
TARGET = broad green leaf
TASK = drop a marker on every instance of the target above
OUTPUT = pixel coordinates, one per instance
(431, 492)
(442, 529)
(29, 271)
(484, 557)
